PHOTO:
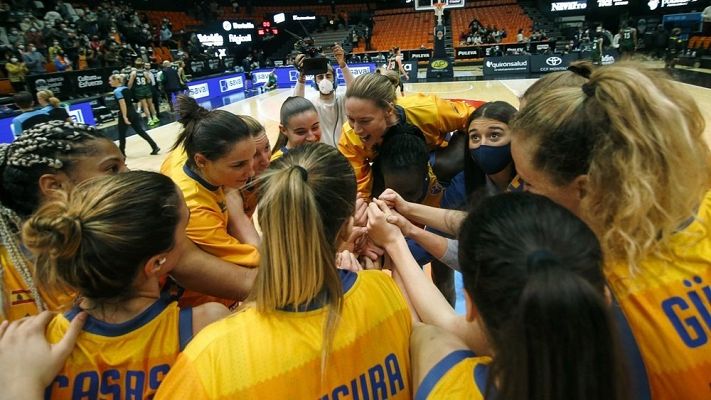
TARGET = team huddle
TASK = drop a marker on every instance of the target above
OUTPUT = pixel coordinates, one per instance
(581, 224)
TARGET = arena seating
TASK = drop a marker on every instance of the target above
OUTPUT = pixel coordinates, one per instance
(179, 19)
(403, 28)
(500, 13)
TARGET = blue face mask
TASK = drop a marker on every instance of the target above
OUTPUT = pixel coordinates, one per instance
(492, 159)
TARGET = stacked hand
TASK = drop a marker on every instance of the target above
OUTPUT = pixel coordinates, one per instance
(30, 361)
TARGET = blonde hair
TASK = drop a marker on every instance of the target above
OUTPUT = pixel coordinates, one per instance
(95, 239)
(639, 139)
(306, 197)
(376, 87)
(393, 76)
(118, 77)
(48, 96)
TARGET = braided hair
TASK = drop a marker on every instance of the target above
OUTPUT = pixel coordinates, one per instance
(46, 148)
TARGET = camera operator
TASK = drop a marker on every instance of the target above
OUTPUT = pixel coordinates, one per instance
(330, 105)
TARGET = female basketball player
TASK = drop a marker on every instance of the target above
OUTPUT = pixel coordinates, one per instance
(262, 158)
(35, 361)
(140, 83)
(56, 156)
(299, 124)
(127, 115)
(372, 107)
(110, 240)
(395, 64)
(220, 153)
(625, 152)
(303, 332)
(534, 290)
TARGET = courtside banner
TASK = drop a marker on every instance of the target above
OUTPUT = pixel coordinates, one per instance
(288, 76)
(509, 65)
(551, 62)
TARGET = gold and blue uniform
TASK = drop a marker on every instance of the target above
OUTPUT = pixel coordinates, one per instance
(279, 153)
(207, 228)
(459, 375)
(434, 116)
(18, 301)
(664, 310)
(277, 355)
(120, 361)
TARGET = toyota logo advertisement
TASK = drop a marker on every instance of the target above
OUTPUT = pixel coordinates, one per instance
(554, 61)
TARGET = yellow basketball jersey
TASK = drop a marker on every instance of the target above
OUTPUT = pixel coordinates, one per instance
(279, 153)
(666, 311)
(17, 297)
(434, 116)
(276, 355)
(459, 375)
(121, 361)
(207, 228)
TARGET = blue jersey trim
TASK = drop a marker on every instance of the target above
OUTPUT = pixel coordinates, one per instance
(207, 185)
(639, 381)
(439, 370)
(102, 328)
(481, 376)
(347, 278)
(284, 150)
(185, 326)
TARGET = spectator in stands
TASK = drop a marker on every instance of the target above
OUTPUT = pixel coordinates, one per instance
(367, 36)
(706, 15)
(16, 71)
(16, 37)
(61, 62)
(520, 38)
(115, 36)
(165, 35)
(111, 58)
(53, 49)
(33, 36)
(34, 60)
(29, 116)
(51, 106)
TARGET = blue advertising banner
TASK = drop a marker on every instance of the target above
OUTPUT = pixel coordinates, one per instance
(204, 89)
(80, 112)
(287, 76)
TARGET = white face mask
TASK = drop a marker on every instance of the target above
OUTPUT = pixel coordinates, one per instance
(325, 86)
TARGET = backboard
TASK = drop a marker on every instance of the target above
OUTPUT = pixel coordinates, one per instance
(423, 5)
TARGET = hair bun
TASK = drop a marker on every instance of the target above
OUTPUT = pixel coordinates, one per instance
(189, 110)
(54, 232)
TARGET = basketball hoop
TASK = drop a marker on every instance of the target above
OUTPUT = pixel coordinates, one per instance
(439, 11)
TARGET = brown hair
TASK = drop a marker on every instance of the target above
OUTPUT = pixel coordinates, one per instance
(97, 238)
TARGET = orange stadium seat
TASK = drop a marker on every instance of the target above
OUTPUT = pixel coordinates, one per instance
(500, 13)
